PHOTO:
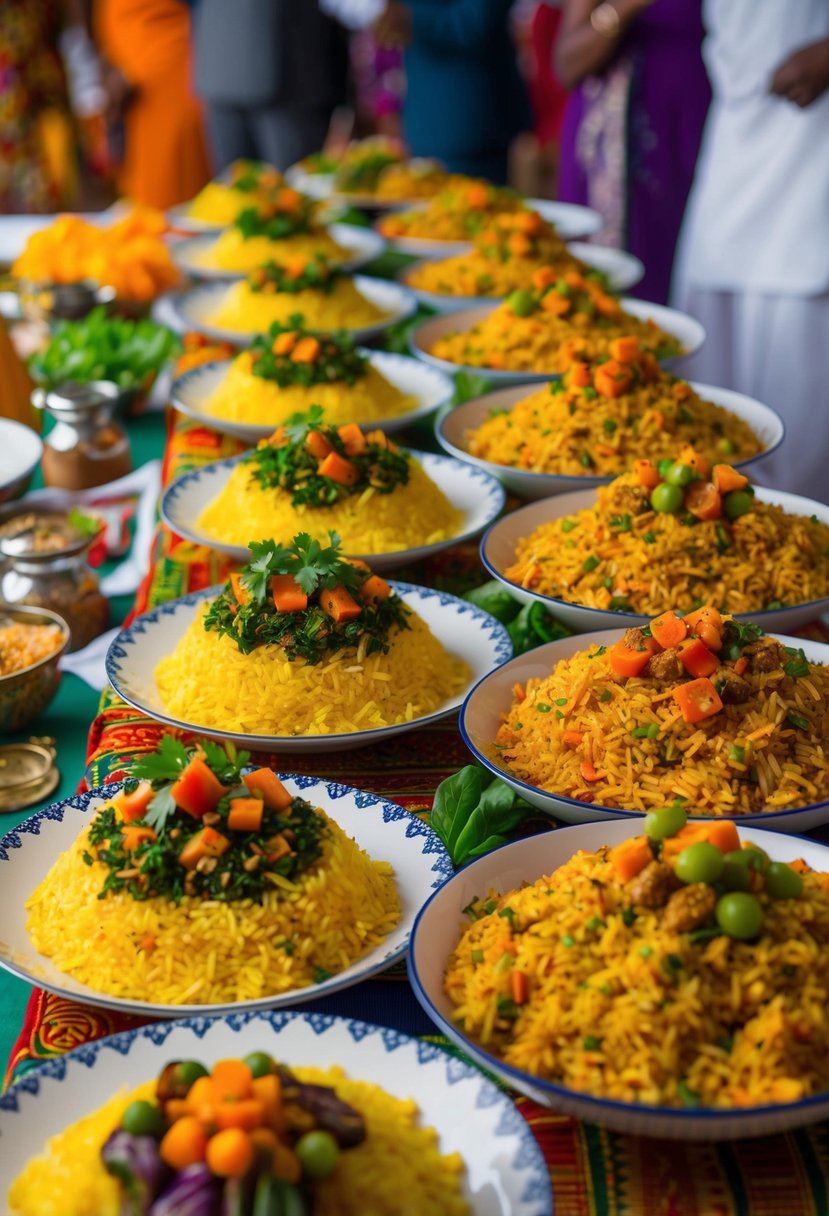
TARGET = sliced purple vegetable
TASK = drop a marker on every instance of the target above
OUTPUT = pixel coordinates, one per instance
(136, 1163)
(193, 1192)
(345, 1124)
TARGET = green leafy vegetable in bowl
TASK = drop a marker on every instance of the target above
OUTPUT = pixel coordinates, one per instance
(100, 347)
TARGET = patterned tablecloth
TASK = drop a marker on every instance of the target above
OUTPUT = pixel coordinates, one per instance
(594, 1172)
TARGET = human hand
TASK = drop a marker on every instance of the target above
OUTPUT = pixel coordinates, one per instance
(394, 27)
(804, 76)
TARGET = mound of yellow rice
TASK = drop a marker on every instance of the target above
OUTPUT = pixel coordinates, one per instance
(208, 682)
(744, 759)
(637, 1013)
(561, 429)
(253, 312)
(208, 951)
(399, 1157)
(648, 559)
(243, 397)
(219, 204)
(233, 251)
(417, 513)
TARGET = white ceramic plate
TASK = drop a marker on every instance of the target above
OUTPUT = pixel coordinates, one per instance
(462, 629)
(362, 245)
(453, 425)
(689, 332)
(179, 218)
(428, 387)
(190, 308)
(385, 830)
(491, 698)
(498, 554)
(571, 220)
(438, 927)
(477, 495)
(622, 269)
(20, 453)
(505, 1171)
(315, 185)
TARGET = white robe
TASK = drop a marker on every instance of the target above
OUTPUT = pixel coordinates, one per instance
(753, 256)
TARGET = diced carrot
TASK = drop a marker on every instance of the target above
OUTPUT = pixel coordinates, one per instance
(176, 1108)
(612, 378)
(696, 658)
(276, 848)
(741, 665)
(723, 833)
(647, 474)
(288, 199)
(264, 781)
(232, 1079)
(307, 350)
(477, 195)
(184, 1143)
(198, 789)
(699, 463)
(317, 445)
(268, 1090)
(727, 479)
(133, 835)
(799, 866)
(339, 469)
(201, 1093)
(588, 771)
(578, 376)
(205, 843)
(573, 279)
(230, 1153)
(625, 349)
(556, 305)
(239, 589)
(134, 806)
(245, 814)
(283, 344)
(338, 604)
(543, 277)
(627, 662)
(520, 986)
(353, 438)
(572, 738)
(697, 700)
(702, 499)
(148, 943)
(246, 1113)
(374, 590)
(607, 305)
(519, 244)
(707, 623)
(275, 440)
(669, 629)
(288, 596)
(630, 857)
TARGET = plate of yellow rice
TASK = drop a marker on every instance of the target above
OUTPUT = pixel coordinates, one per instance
(243, 184)
(231, 256)
(591, 993)
(443, 503)
(345, 917)
(553, 439)
(437, 1130)
(395, 392)
(582, 742)
(602, 558)
(167, 665)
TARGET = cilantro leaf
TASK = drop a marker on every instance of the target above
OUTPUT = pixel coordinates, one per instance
(164, 764)
(160, 810)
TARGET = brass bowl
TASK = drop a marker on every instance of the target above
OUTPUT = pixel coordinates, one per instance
(24, 694)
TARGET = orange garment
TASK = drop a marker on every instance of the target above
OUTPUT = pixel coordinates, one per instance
(165, 156)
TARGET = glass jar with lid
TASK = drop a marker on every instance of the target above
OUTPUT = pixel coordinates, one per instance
(86, 447)
(44, 565)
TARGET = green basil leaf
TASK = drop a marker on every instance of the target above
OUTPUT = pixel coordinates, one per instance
(455, 800)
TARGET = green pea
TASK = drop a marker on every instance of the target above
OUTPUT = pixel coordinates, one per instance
(318, 1154)
(739, 915)
(726, 447)
(680, 474)
(189, 1072)
(666, 499)
(143, 1119)
(737, 503)
(662, 467)
(260, 1063)
(522, 303)
(700, 862)
(665, 821)
(782, 882)
(735, 870)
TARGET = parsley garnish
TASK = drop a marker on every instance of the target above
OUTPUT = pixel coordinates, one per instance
(336, 360)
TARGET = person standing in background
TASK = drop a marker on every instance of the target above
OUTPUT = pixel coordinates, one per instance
(271, 72)
(753, 262)
(634, 122)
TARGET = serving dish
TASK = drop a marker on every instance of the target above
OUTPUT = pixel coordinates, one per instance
(361, 244)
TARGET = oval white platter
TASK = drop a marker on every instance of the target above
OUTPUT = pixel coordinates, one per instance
(462, 629)
(498, 554)
(477, 495)
(438, 927)
(623, 271)
(362, 245)
(385, 830)
(491, 698)
(429, 389)
(505, 1171)
(453, 425)
(572, 222)
(190, 310)
(678, 324)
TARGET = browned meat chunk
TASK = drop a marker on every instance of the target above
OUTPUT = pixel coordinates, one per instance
(764, 654)
(633, 499)
(690, 908)
(633, 639)
(665, 665)
(654, 885)
(733, 689)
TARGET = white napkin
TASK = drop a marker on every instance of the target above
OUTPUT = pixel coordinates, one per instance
(88, 664)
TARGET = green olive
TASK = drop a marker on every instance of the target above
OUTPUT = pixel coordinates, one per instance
(259, 1063)
(737, 503)
(665, 821)
(757, 858)
(700, 862)
(782, 882)
(522, 303)
(143, 1119)
(735, 870)
(726, 447)
(680, 474)
(739, 915)
(662, 467)
(666, 499)
(189, 1071)
(318, 1154)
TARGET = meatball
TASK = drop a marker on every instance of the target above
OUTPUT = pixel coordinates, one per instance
(764, 654)
(653, 886)
(665, 666)
(690, 908)
(633, 499)
(733, 689)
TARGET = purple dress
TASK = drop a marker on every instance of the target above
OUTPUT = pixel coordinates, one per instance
(631, 136)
